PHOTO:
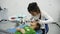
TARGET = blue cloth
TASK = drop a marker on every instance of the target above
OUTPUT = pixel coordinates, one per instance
(46, 27)
(13, 30)
(39, 32)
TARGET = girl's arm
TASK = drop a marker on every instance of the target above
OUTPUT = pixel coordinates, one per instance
(46, 18)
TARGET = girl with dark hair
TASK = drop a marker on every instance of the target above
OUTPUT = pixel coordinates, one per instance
(37, 14)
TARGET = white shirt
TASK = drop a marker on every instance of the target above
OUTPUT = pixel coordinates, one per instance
(45, 19)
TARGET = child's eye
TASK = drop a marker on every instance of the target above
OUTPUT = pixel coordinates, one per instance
(32, 22)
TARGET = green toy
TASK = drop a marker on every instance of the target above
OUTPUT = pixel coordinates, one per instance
(28, 30)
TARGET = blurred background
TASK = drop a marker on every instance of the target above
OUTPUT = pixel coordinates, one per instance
(17, 7)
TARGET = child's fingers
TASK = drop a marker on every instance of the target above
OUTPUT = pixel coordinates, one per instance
(18, 29)
(22, 30)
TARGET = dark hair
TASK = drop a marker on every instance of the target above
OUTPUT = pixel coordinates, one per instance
(1, 8)
(38, 27)
(34, 7)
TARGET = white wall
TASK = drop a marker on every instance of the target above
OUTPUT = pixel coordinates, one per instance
(59, 11)
(16, 7)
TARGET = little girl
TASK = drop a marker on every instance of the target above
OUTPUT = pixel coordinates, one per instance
(34, 26)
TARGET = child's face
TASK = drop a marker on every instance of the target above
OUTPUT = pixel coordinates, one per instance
(33, 24)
